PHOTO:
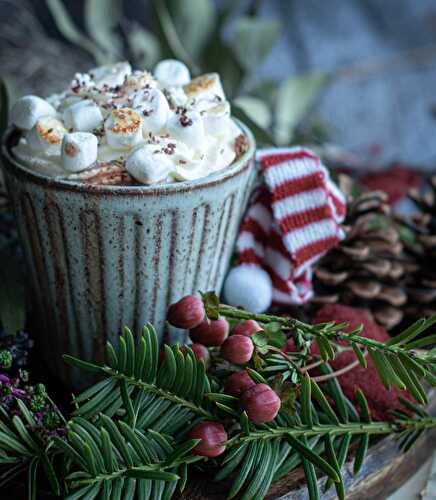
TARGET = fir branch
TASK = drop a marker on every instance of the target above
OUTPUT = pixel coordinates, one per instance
(162, 398)
(115, 458)
(397, 362)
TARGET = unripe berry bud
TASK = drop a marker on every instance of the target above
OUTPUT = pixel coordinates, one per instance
(247, 328)
(238, 383)
(186, 313)
(290, 346)
(237, 349)
(210, 333)
(261, 403)
(200, 352)
(212, 435)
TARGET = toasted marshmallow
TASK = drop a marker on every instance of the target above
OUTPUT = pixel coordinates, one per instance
(139, 80)
(83, 116)
(171, 72)
(188, 127)
(206, 86)
(153, 108)
(149, 164)
(111, 74)
(123, 128)
(46, 135)
(79, 151)
(27, 111)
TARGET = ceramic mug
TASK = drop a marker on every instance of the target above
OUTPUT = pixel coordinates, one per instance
(102, 257)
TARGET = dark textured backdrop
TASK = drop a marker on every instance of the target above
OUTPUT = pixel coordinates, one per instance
(383, 95)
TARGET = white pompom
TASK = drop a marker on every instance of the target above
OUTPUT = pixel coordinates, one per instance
(250, 287)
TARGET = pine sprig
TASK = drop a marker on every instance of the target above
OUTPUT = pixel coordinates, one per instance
(114, 459)
(397, 362)
(23, 450)
(317, 436)
(160, 398)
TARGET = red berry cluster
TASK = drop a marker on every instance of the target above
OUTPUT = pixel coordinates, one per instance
(259, 401)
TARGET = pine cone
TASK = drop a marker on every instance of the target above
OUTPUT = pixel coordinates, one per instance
(421, 284)
(367, 269)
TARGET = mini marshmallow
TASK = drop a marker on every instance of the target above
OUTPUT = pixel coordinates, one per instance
(46, 135)
(188, 127)
(153, 108)
(176, 96)
(27, 110)
(149, 164)
(139, 80)
(79, 151)
(171, 72)
(83, 116)
(206, 86)
(217, 119)
(111, 74)
(123, 128)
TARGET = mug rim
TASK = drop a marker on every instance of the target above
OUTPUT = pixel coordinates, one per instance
(15, 168)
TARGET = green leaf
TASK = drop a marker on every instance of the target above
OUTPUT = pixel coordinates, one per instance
(144, 46)
(195, 30)
(102, 17)
(260, 339)
(82, 365)
(361, 453)
(172, 38)
(311, 480)
(323, 403)
(332, 458)
(244, 470)
(306, 401)
(313, 457)
(211, 303)
(151, 474)
(295, 97)
(412, 331)
(68, 29)
(263, 138)
(256, 109)
(381, 365)
(364, 408)
(12, 295)
(252, 40)
(359, 354)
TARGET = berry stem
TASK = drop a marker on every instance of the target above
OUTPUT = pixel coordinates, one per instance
(333, 334)
(351, 428)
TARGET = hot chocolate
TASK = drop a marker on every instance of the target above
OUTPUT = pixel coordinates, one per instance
(116, 126)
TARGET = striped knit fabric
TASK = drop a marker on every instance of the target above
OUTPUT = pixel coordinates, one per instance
(293, 220)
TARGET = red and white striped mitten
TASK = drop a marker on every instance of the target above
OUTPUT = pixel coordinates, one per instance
(293, 220)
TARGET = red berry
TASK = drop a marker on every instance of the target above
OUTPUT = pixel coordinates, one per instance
(261, 403)
(238, 383)
(210, 333)
(200, 351)
(247, 328)
(237, 349)
(212, 435)
(290, 346)
(186, 313)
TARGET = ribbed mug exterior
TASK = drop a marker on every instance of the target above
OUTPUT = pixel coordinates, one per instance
(102, 257)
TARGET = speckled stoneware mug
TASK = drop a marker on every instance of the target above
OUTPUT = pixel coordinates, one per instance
(101, 257)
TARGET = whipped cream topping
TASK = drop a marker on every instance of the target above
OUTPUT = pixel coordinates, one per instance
(158, 127)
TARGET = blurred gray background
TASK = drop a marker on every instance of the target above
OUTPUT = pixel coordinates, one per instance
(382, 101)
